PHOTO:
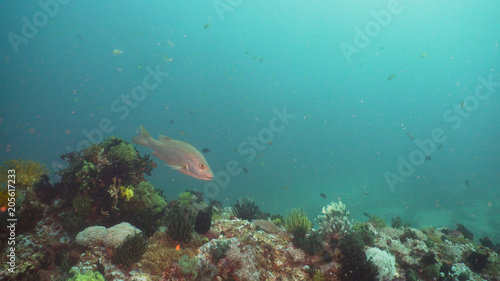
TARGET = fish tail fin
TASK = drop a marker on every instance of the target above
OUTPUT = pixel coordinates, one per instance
(143, 138)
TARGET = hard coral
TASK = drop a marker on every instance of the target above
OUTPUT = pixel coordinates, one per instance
(384, 262)
(86, 276)
(83, 205)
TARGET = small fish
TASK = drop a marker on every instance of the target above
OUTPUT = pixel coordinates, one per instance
(322, 195)
(428, 158)
(182, 133)
(366, 193)
(423, 55)
(366, 214)
(192, 112)
(462, 104)
(391, 76)
(76, 100)
(261, 59)
(206, 26)
(178, 155)
(270, 143)
(245, 170)
(410, 136)
(285, 188)
(205, 150)
(116, 52)
(171, 121)
(441, 145)
(466, 182)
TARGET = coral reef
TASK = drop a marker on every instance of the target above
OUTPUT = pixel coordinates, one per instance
(104, 221)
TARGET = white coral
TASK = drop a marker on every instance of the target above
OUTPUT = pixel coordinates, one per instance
(111, 237)
(384, 262)
(116, 234)
(91, 235)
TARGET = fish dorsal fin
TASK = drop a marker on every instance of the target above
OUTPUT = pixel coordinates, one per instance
(163, 138)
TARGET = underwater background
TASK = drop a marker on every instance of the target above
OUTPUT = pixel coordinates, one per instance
(361, 100)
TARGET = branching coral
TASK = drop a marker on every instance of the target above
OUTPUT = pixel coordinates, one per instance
(335, 221)
(245, 208)
(27, 172)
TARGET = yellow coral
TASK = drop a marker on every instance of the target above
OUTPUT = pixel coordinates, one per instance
(27, 172)
(127, 192)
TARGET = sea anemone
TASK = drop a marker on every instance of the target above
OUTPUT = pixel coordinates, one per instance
(27, 172)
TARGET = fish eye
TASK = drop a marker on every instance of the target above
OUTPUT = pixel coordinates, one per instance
(202, 166)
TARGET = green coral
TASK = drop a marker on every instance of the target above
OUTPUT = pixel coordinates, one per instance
(378, 222)
(219, 250)
(87, 276)
(131, 250)
(122, 152)
(186, 198)
(297, 223)
(365, 233)
(188, 266)
(146, 196)
(319, 276)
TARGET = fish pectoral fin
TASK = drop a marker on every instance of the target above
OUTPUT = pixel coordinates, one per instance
(174, 167)
(162, 138)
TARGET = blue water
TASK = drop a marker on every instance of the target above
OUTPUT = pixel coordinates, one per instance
(233, 64)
